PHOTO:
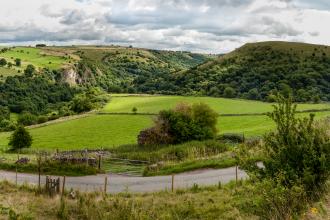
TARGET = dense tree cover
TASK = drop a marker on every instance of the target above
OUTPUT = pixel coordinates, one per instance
(255, 71)
(20, 138)
(36, 95)
(114, 70)
(184, 123)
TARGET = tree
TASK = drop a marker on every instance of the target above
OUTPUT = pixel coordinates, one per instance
(4, 113)
(9, 65)
(229, 92)
(18, 62)
(3, 62)
(134, 110)
(29, 71)
(81, 104)
(184, 123)
(20, 139)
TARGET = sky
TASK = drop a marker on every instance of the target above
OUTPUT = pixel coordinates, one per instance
(206, 26)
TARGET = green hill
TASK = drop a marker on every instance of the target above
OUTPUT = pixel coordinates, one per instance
(255, 71)
(115, 68)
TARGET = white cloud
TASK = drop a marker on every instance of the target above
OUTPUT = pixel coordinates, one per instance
(213, 26)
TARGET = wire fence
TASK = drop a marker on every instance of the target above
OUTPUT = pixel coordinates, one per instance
(112, 183)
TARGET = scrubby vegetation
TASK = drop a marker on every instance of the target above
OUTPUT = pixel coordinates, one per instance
(295, 163)
(184, 123)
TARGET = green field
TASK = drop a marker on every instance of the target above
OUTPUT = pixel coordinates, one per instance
(4, 72)
(153, 104)
(96, 131)
(34, 56)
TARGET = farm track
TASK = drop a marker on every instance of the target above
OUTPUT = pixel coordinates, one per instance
(124, 183)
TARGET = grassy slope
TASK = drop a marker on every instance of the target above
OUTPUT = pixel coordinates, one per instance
(89, 132)
(153, 104)
(40, 58)
(111, 130)
(227, 202)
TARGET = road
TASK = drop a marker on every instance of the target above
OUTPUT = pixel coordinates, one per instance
(120, 183)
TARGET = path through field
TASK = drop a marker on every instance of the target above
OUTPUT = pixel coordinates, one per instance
(121, 183)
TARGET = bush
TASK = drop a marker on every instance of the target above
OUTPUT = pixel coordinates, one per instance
(296, 154)
(27, 119)
(81, 104)
(20, 139)
(229, 92)
(7, 125)
(184, 123)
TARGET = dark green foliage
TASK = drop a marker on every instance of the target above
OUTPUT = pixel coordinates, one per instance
(130, 70)
(4, 113)
(36, 95)
(30, 70)
(3, 62)
(229, 92)
(18, 62)
(298, 152)
(253, 71)
(91, 99)
(20, 139)
(81, 103)
(27, 119)
(185, 123)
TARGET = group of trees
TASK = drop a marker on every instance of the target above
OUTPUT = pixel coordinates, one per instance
(257, 74)
(184, 123)
(3, 62)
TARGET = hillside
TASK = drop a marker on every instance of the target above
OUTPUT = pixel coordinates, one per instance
(255, 71)
(115, 68)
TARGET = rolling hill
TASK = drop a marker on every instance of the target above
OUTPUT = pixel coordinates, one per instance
(254, 71)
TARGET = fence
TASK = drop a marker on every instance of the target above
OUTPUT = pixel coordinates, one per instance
(121, 183)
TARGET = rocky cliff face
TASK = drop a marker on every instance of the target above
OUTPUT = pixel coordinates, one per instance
(71, 77)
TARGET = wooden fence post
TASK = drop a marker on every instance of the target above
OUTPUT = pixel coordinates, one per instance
(105, 184)
(172, 182)
(63, 186)
(39, 172)
(100, 161)
(236, 172)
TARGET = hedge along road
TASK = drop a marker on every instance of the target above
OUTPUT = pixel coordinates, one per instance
(121, 183)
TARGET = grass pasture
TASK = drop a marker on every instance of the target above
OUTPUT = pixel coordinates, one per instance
(153, 104)
(34, 56)
(109, 130)
(98, 131)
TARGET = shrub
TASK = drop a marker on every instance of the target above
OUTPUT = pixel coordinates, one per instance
(297, 153)
(184, 123)
(27, 119)
(20, 139)
(229, 92)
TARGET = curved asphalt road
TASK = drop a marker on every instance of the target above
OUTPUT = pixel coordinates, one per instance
(121, 183)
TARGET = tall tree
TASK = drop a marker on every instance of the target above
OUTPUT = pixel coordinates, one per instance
(21, 138)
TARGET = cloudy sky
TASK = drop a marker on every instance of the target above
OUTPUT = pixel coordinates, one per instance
(210, 26)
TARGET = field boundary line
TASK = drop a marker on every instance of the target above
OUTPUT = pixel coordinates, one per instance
(223, 115)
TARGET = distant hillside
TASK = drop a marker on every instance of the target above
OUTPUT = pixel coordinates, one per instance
(256, 71)
(115, 68)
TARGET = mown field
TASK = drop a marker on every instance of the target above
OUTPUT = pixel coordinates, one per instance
(109, 130)
(153, 104)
